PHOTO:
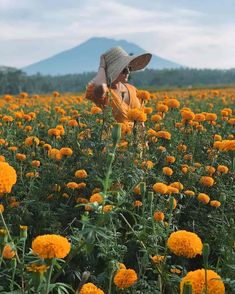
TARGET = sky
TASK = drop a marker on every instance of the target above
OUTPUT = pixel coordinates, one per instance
(193, 33)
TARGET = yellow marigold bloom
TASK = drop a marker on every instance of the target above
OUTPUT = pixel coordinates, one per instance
(148, 164)
(189, 193)
(125, 278)
(215, 203)
(167, 171)
(7, 177)
(163, 134)
(156, 117)
(143, 94)
(177, 185)
(207, 181)
(204, 198)
(222, 169)
(81, 174)
(8, 252)
(136, 114)
(184, 243)
(158, 216)
(197, 279)
(37, 268)
(51, 246)
(96, 198)
(175, 271)
(211, 116)
(66, 151)
(172, 190)
(72, 185)
(47, 146)
(1, 208)
(32, 175)
(173, 103)
(90, 288)
(160, 188)
(20, 156)
(170, 159)
(32, 140)
(217, 138)
(187, 115)
(157, 259)
(199, 117)
(162, 107)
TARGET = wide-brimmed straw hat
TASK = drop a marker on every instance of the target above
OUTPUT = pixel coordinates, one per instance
(116, 59)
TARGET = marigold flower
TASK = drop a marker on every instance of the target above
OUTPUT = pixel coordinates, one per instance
(199, 117)
(125, 278)
(143, 94)
(51, 246)
(204, 198)
(172, 190)
(207, 181)
(72, 185)
(37, 268)
(156, 117)
(173, 103)
(197, 279)
(211, 116)
(138, 203)
(170, 159)
(177, 185)
(7, 177)
(163, 134)
(187, 115)
(158, 216)
(90, 288)
(81, 174)
(20, 156)
(96, 198)
(95, 110)
(189, 193)
(54, 153)
(8, 252)
(175, 271)
(36, 163)
(107, 208)
(210, 169)
(162, 107)
(136, 114)
(32, 140)
(160, 188)
(215, 203)
(66, 151)
(184, 243)
(157, 259)
(167, 171)
(222, 169)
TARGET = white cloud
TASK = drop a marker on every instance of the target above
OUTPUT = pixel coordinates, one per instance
(34, 30)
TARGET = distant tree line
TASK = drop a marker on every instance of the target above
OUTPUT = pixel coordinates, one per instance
(14, 81)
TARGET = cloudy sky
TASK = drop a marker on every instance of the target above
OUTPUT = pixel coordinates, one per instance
(195, 33)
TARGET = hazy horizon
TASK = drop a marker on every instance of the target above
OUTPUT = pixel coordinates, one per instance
(195, 34)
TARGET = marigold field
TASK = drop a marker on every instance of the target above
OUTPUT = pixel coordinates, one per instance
(90, 206)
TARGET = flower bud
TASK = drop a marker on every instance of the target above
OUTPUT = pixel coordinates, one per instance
(187, 289)
(23, 232)
(116, 133)
(142, 188)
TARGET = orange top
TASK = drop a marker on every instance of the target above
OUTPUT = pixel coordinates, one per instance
(120, 107)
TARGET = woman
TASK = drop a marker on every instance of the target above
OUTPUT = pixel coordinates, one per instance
(110, 86)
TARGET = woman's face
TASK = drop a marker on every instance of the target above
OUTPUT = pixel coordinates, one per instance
(123, 76)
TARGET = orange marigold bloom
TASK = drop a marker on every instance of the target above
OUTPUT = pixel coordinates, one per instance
(95, 110)
(172, 190)
(81, 185)
(148, 110)
(81, 174)
(156, 117)
(177, 185)
(170, 159)
(158, 216)
(66, 151)
(222, 169)
(167, 171)
(136, 114)
(8, 252)
(125, 278)
(36, 163)
(157, 259)
(51, 246)
(7, 177)
(1, 208)
(173, 103)
(73, 123)
(189, 193)
(211, 116)
(215, 203)
(199, 117)
(231, 121)
(197, 279)
(20, 156)
(136, 190)
(32, 140)
(138, 203)
(204, 198)
(210, 169)
(163, 134)
(54, 154)
(96, 198)
(160, 188)
(217, 137)
(162, 107)
(184, 243)
(143, 94)
(90, 288)
(207, 181)
(72, 185)
(107, 208)
(187, 115)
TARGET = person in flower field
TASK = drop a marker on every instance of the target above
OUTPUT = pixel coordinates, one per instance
(110, 86)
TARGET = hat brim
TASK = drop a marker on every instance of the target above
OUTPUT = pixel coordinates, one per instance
(140, 61)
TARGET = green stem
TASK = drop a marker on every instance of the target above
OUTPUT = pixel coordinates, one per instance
(13, 277)
(49, 276)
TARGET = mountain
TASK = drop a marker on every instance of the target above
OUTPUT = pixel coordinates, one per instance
(85, 58)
